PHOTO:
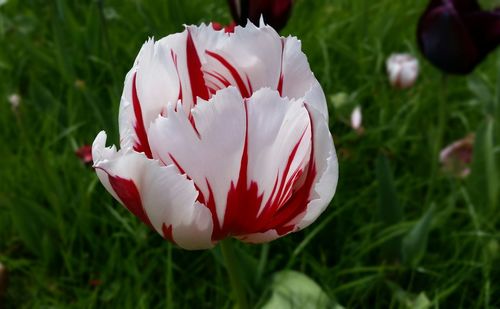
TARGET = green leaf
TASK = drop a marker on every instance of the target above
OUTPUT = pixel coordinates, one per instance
(480, 89)
(292, 289)
(391, 212)
(407, 299)
(33, 223)
(421, 302)
(483, 181)
(415, 242)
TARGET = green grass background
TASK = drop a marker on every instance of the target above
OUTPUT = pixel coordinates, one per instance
(372, 248)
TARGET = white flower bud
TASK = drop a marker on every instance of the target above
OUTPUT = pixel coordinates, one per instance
(14, 100)
(403, 70)
(356, 118)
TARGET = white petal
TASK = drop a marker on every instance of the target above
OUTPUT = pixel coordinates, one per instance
(178, 44)
(157, 80)
(298, 79)
(126, 115)
(254, 54)
(316, 97)
(275, 127)
(168, 198)
(213, 157)
(157, 84)
(326, 167)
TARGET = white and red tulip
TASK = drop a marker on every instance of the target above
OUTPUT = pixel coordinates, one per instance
(221, 135)
(403, 70)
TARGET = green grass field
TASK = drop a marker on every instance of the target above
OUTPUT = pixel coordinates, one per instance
(398, 234)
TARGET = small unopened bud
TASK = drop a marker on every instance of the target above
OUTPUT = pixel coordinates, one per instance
(403, 70)
(15, 101)
(357, 120)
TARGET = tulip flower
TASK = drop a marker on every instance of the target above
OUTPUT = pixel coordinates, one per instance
(221, 135)
(456, 35)
(274, 12)
(85, 154)
(403, 70)
(457, 156)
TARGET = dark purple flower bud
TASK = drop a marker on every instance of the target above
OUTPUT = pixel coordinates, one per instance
(275, 12)
(456, 35)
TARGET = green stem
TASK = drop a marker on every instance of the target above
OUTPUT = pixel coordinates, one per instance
(438, 138)
(234, 273)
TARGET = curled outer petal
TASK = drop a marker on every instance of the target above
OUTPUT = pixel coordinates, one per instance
(158, 195)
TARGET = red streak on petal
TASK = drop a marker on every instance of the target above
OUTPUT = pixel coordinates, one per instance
(234, 73)
(201, 198)
(193, 124)
(243, 199)
(280, 85)
(142, 144)
(249, 84)
(174, 59)
(243, 204)
(181, 170)
(168, 233)
(217, 232)
(280, 82)
(276, 201)
(288, 199)
(129, 195)
(297, 204)
(220, 78)
(198, 87)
